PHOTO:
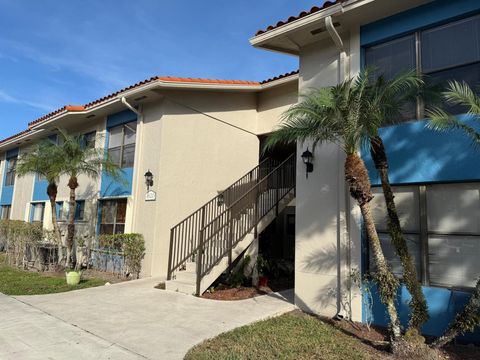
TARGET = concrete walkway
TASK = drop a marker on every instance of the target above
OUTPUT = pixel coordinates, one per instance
(130, 320)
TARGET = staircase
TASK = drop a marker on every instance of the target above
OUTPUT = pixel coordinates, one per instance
(205, 244)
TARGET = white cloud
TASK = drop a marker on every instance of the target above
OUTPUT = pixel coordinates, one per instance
(7, 98)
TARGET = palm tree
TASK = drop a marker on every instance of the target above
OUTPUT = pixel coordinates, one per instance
(78, 159)
(43, 160)
(339, 114)
(387, 98)
(459, 94)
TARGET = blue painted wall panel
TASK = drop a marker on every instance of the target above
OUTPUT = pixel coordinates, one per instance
(417, 18)
(443, 304)
(120, 118)
(7, 195)
(40, 190)
(419, 155)
(111, 188)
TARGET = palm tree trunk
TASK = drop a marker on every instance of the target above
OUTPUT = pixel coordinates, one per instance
(418, 304)
(72, 184)
(356, 176)
(52, 191)
(465, 321)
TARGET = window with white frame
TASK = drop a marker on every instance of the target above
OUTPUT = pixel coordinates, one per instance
(427, 52)
(121, 144)
(38, 211)
(441, 223)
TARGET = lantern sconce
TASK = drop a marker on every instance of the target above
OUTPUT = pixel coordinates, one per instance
(148, 179)
(307, 158)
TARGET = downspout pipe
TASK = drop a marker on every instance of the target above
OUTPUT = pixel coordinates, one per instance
(334, 34)
(127, 104)
(343, 219)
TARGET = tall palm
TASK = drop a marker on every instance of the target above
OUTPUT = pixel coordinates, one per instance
(340, 115)
(43, 160)
(460, 94)
(78, 159)
(387, 98)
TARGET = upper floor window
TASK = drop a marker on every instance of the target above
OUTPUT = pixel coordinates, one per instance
(89, 140)
(121, 145)
(11, 171)
(443, 53)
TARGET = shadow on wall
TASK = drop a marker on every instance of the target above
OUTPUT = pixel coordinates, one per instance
(420, 155)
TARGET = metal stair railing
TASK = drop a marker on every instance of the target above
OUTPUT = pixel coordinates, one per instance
(219, 237)
(185, 236)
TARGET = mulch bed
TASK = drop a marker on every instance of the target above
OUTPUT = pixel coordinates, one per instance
(231, 294)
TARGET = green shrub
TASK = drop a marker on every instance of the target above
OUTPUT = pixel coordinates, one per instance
(132, 246)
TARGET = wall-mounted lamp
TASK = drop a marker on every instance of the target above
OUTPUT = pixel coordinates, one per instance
(148, 179)
(307, 158)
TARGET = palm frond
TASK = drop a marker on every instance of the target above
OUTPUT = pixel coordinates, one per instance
(441, 121)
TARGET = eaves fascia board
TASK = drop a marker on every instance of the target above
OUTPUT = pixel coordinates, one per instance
(279, 82)
(259, 40)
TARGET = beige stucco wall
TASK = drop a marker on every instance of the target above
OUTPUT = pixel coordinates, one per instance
(22, 193)
(325, 250)
(272, 103)
(195, 156)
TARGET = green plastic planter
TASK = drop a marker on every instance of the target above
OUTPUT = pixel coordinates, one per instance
(73, 277)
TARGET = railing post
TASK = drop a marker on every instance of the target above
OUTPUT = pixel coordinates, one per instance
(201, 245)
(170, 255)
(200, 260)
(230, 239)
(276, 192)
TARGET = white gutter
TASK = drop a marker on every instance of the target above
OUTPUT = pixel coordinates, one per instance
(342, 66)
(125, 102)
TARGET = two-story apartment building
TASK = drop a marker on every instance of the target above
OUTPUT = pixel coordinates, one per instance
(199, 136)
(196, 136)
(436, 176)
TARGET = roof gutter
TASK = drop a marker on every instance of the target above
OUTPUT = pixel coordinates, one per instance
(125, 102)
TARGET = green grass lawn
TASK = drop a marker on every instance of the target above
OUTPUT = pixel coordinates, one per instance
(291, 336)
(18, 282)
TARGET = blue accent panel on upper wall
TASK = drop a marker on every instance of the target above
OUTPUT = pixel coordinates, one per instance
(112, 188)
(40, 190)
(417, 18)
(443, 305)
(120, 118)
(420, 155)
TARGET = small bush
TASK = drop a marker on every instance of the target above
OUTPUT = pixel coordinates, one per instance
(132, 246)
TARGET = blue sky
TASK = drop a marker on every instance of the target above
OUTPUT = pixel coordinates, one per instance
(57, 52)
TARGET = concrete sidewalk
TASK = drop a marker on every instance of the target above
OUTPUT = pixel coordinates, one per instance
(131, 320)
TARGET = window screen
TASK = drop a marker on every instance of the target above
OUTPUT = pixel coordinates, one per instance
(451, 45)
(121, 145)
(38, 210)
(113, 216)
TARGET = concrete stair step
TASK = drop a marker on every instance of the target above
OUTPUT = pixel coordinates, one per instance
(186, 276)
(191, 266)
(181, 286)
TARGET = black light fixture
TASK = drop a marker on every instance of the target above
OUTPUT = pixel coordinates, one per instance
(307, 158)
(148, 179)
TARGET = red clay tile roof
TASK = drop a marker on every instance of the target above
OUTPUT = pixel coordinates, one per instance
(313, 10)
(76, 108)
(14, 136)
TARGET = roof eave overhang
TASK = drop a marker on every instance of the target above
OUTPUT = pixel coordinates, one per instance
(156, 85)
(265, 40)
